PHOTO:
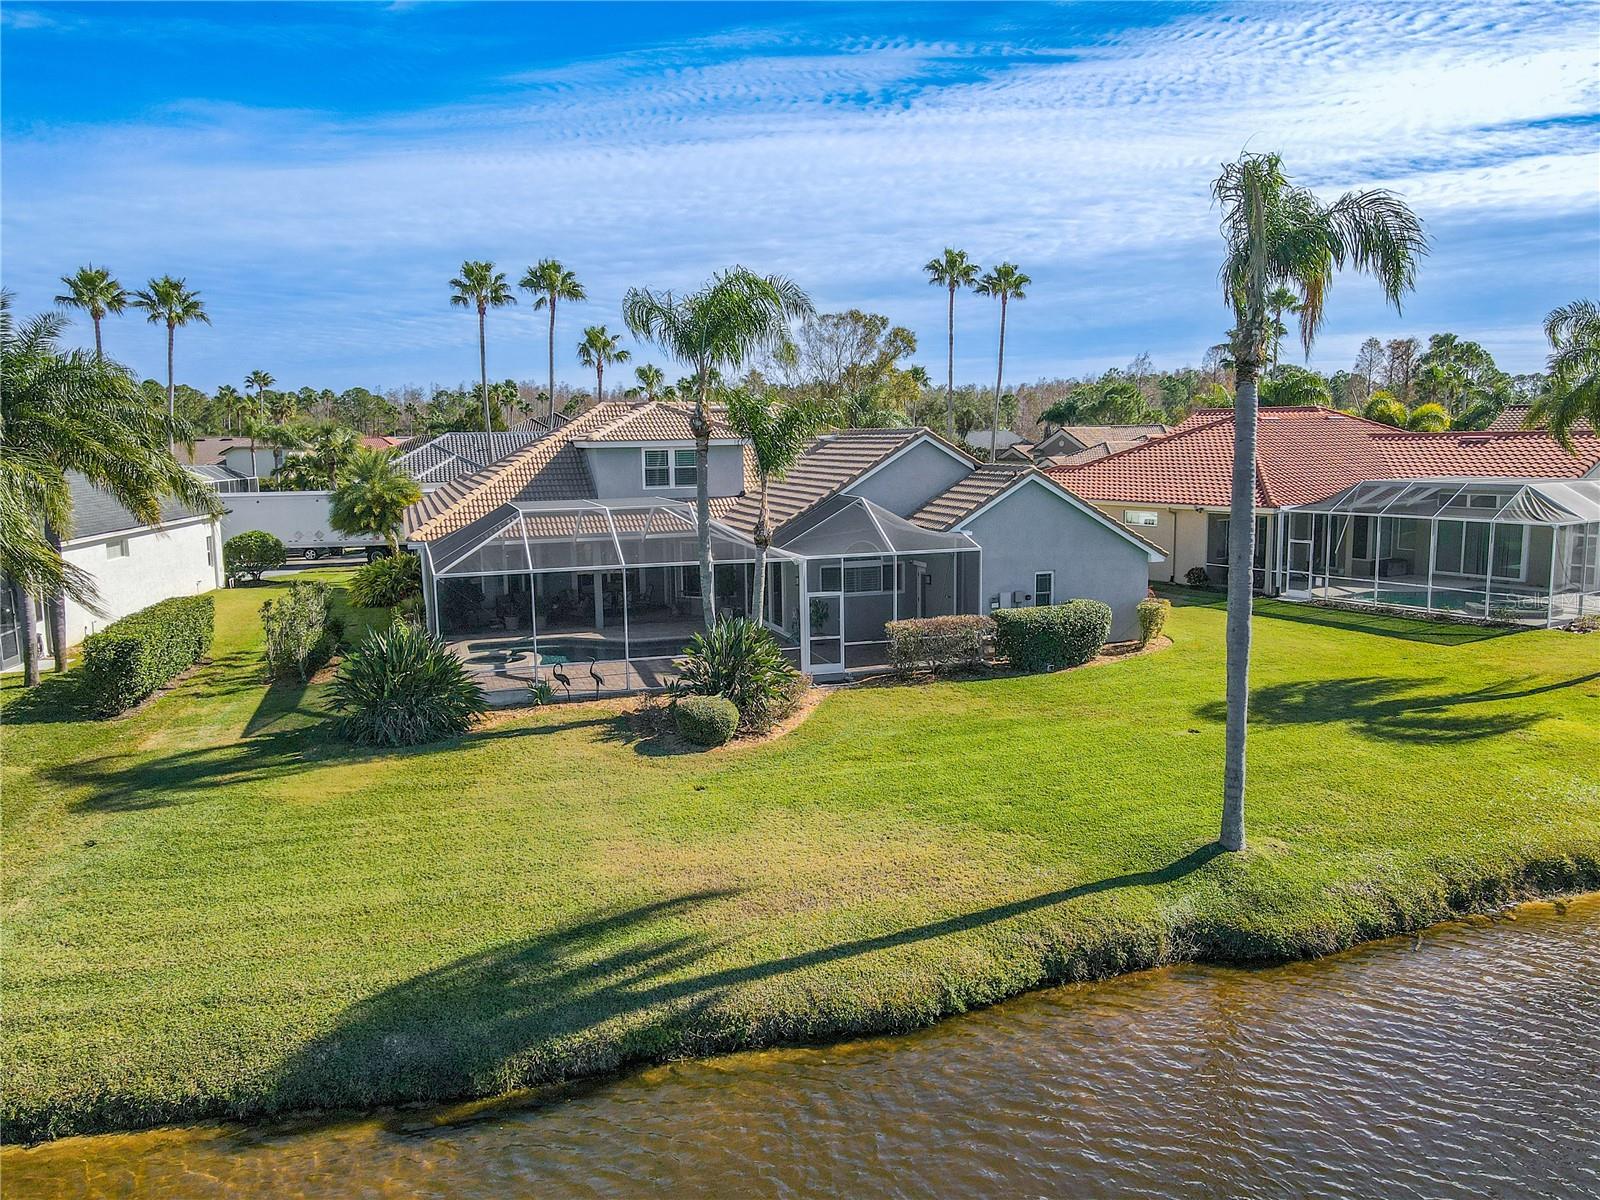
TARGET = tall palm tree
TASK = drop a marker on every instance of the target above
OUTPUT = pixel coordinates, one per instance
(1004, 283)
(233, 405)
(1277, 234)
(1279, 301)
(600, 348)
(373, 497)
(173, 302)
(1572, 396)
(952, 270)
(94, 291)
(261, 381)
(549, 282)
(717, 328)
(778, 434)
(68, 411)
(651, 379)
(481, 287)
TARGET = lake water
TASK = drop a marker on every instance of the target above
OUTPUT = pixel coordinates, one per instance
(1463, 1062)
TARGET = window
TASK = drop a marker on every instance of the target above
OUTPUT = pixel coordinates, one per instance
(1044, 588)
(656, 473)
(689, 581)
(866, 577)
(211, 551)
(117, 548)
(828, 578)
(684, 472)
(1140, 516)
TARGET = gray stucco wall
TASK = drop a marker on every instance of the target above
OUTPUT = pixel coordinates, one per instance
(1033, 529)
(619, 471)
(913, 479)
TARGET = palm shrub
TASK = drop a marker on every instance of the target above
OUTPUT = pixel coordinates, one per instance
(252, 552)
(301, 633)
(740, 660)
(402, 687)
(386, 582)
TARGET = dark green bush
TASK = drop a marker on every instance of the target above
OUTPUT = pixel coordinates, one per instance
(402, 687)
(739, 659)
(939, 644)
(301, 633)
(1060, 635)
(706, 720)
(1152, 619)
(1197, 577)
(129, 659)
(386, 582)
(250, 553)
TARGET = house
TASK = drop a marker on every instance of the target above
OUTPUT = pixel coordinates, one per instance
(1316, 533)
(1515, 416)
(133, 566)
(582, 547)
(1070, 445)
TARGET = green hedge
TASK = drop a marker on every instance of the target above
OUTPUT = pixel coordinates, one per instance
(1058, 635)
(938, 644)
(706, 720)
(129, 659)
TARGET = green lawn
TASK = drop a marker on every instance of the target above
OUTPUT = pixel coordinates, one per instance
(211, 908)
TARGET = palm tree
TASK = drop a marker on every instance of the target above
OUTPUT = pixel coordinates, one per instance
(261, 381)
(1572, 396)
(651, 381)
(550, 282)
(1005, 283)
(952, 270)
(171, 301)
(328, 451)
(68, 411)
(599, 348)
(373, 497)
(717, 328)
(233, 404)
(778, 435)
(1279, 301)
(481, 287)
(1280, 235)
(93, 290)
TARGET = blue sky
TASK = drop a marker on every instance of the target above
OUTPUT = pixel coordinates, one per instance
(320, 171)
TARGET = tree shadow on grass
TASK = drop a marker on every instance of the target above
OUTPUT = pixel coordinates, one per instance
(532, 1010)
(1398, 710)
(1379, 624)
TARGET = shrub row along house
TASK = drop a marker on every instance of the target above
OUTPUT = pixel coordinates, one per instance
(1501, 524)
(579, 551)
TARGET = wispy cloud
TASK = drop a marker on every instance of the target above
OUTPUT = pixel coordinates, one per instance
(323, 237)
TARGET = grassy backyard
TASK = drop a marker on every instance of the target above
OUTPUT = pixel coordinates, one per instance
(213, 909)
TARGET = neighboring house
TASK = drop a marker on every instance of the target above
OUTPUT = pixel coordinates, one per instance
(133, 565)
(1176, 490)
(447, 456)
(583, 545)
(1072, 445)
(977, 441)
(233, 455)
(1515, 416)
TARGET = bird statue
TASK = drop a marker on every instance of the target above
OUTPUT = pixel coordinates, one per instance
(561, 678)
(594, 674)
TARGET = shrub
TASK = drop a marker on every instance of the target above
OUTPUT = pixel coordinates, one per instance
(402, 687)
(939, 644)
(1060, 635)
(1152, 619)
(1197, 577)
(251, 553)
(706, 720)
(129, 659)
(301, 635)
(386, 582)
(739, 659)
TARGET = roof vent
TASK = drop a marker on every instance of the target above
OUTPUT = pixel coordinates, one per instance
(1476, 439)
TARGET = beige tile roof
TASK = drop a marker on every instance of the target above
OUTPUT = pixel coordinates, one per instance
(966, 496)
(831, 463)
(655, 422)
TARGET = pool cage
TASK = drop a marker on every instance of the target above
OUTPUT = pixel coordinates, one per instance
(600, 597)
(1504, 550)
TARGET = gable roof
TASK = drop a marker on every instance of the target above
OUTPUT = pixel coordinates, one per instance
(1081, 437)
(656, 421)
(830, 464)
(96, 513)
(452, 455)
(1307, 454)
(966, 498)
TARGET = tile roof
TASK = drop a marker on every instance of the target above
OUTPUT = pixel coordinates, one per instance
(452, 455)
(1091, 435)
(831, 463)
(1307, 454)
(964, 497)
(1515, 416)
(96, 513)
(655, 421)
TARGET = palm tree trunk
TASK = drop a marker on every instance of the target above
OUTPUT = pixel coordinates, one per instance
(483, 372)
(1000, 371)
(599, 381)
(1241, 577)
(700, 425)
(28, 622)
(99, 353)
(172, 400)
(550, 396)
(762, 539)
(950, 369)
(56, 606)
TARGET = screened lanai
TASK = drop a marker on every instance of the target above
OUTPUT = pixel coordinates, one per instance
(1514, 550)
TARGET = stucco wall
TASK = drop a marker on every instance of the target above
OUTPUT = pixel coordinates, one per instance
(1181, 533)
(618, 471)
(910, 481)
(295, 518)
(1034, 529)
(159, 564)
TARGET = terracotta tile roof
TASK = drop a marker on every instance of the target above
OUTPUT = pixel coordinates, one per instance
(966, 496)
(831, 463)
(655, 422)
(1307, 454)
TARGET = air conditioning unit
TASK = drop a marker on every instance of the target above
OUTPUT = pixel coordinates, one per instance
(1014, 599)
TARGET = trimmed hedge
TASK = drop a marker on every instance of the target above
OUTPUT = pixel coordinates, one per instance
(1152, 619)
(1059, 635)
(252, 552)
(939, 644)
(129, 659)
(706, 720)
